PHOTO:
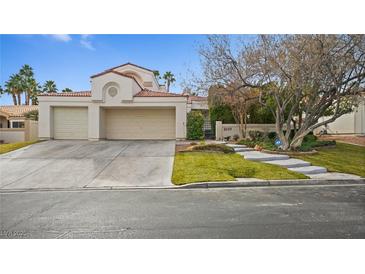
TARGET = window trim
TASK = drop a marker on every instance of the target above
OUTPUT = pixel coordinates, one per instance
(17, 121)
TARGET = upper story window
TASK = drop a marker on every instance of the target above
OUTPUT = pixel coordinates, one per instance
(17, 124)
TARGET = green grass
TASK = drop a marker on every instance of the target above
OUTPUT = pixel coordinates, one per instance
(192, 167)
(342, 158)
(5, 148)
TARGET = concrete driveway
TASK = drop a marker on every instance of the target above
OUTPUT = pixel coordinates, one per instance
(75, 164)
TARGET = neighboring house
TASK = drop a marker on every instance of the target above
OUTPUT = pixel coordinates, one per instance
(14, 127)
(351, 123)
(125, 102)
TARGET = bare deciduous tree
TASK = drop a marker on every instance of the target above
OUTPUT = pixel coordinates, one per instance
(239, 101)
(307, 76)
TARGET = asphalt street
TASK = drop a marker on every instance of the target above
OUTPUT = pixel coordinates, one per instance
(256, 212)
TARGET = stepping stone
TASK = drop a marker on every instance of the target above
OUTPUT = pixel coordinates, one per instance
(241, 149)
(235, 146)
(289, 163)
(260, 156)
(309, 169)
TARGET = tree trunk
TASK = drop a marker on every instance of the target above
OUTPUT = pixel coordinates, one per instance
(168, 86)
(19, 99)
(27, 97)
(300, 119)
(14, 99)
(279, 131)
(242, 126)
(282, 138)
(298, 139)
(245, 121)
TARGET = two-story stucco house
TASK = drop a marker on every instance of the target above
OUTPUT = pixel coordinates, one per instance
(125, 102)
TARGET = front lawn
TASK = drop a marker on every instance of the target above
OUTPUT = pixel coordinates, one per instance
(192, 167)
(5, 148)
(342, 158)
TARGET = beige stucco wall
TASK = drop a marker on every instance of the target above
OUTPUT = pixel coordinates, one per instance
(145, 75)
(12, 135)
(31, 130)
(96, 120)
(3, 122)
(350, 123)
(229, 130)
(125, 86)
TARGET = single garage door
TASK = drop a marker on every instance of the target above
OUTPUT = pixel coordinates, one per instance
(139, 123)
(70, 123)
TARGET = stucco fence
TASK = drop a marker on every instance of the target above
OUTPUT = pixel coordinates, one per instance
(223, 131)
(14, 135)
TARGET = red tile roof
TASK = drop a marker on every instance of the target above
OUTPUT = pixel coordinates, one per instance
(196, 98)
(17, 111)
(142, 93)
(68, 94)
(150, 93)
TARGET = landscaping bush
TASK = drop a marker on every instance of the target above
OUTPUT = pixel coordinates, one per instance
(310, 141)
(309, 145)
(214, 147)
(221, 113)
(246, 142)
(256, 135)
(32, 115)
(236, 137)
(265, 143)
(271, 135)
(195, 122)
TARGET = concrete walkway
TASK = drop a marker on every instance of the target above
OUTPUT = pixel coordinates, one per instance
(300, 166)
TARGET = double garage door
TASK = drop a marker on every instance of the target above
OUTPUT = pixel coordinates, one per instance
(133, 123)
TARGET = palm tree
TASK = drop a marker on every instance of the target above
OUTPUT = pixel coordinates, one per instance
(157, 74)
(27, 75)
(67, 90)
(35, 88)
(1, 90)
(50, 86)
(169, 79)
(14, 87)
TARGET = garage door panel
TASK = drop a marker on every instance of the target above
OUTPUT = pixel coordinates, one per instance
(140, 124)
(70, 123)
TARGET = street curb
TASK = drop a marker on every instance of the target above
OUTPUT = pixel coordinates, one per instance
(303, 182)
(207, 185)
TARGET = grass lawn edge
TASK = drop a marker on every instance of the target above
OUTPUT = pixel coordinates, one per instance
(6, 148)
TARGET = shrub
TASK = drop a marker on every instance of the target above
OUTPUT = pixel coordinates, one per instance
(32, 115)
(256, 135)
(236, 137)
(214, 147)
(271, 135)
(310, 138)
(309, 145)
(265, 143)
(195, 122)
(221, 113)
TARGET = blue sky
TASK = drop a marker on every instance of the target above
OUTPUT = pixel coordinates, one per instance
(70, 60)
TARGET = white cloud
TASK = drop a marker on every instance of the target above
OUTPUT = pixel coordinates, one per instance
(62, 37)
(85, 41)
